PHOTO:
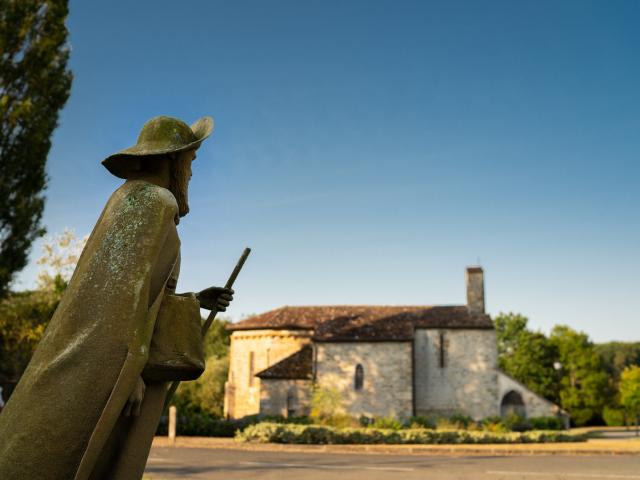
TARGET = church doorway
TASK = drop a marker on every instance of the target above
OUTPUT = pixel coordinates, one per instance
(511, 404)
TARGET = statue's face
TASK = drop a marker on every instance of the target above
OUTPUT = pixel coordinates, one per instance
(180, 177)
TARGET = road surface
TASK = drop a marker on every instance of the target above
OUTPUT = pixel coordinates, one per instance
(213, 464)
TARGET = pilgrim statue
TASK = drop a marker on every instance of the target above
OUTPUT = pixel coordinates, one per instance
(90, 400)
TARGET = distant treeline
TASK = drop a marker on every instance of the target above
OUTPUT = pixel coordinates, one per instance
(568, 368)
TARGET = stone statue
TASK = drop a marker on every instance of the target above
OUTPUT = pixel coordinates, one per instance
(85, 407)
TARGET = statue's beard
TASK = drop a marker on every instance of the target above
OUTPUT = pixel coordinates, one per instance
(179, 186)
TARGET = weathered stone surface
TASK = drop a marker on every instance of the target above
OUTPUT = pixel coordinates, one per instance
(467, 382)
(289, 398)
(242, 393)
(387, 386)
(534, 404)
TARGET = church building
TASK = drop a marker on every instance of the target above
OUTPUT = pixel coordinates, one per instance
(396, 361)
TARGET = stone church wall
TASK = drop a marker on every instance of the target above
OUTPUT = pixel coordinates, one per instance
(459, 377)
(534, 404)
(242, 390)
(285, 397)
(387, 379)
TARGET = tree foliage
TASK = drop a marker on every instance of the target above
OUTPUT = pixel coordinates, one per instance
(25, 315)
(616, 356)
(583, 386)
(23, 318)
(34, 86)
(206, 394)
(630, 391)
(565, 367)
(526, 356)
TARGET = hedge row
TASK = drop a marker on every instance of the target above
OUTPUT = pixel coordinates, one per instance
(206, 425)
(316, 434)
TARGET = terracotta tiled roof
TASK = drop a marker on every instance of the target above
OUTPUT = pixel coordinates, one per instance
(294, 367)
(375, 323)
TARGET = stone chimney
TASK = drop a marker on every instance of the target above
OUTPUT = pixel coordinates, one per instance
(475, 290)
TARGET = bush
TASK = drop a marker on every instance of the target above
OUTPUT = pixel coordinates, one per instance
(546, 423)
(494, 425)
(420, 422)
(203, 425)
(317, 434)
(614, 417)
(457, 421)
(516, 423)
(193, 423)
(339, 420)
(390, 423)
(326, 404)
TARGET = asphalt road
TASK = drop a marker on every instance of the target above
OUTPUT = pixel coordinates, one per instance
(212, 464)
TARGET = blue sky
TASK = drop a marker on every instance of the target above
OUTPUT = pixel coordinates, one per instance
(369, 151)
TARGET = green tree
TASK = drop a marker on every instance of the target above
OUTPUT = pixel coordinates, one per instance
(584, 387)
(25, 315)
(34, 86)
(616, 356)
(206, 394)
(218, 339)
(23, 318)
(630, 391)
(525, 355)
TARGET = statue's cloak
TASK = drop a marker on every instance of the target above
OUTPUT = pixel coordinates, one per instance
(92, 353)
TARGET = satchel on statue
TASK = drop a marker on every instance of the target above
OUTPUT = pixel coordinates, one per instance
(176, 351)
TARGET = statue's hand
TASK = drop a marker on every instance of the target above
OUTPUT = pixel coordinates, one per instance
(134, 403)
(215, 298)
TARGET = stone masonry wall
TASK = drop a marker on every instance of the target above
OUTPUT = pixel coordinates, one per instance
(242, 395)
(466, 383)
(285, 397)
(387, 386)
(534, 404)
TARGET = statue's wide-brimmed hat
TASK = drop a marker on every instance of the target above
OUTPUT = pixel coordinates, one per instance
(158, 136)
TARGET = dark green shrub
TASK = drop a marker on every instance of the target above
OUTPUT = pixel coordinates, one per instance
(462, 420)
(390, 423)
(457, 421)
(365, 421)
(196, 423)
(614, 417)
(420, 422)
(546, 423)
(516, 423)
(203, 425)
(494, 424)
(341, 420)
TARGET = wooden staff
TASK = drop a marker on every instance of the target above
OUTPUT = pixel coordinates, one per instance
(209, 320)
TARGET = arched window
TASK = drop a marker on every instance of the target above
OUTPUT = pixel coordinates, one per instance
(292, 403)
(511, 404)
(359, 378)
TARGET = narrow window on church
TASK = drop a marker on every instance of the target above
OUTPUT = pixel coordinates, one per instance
(442, 352)
(291, 404)
(359, 377)
(251, 368)
(268, 356)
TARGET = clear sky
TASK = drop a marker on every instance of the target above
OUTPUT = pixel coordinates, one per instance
(369, 151)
